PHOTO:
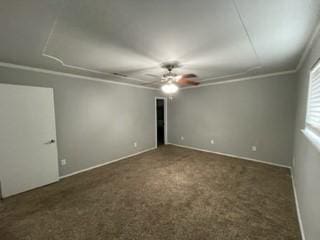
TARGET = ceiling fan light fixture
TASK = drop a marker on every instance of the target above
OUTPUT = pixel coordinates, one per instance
(178, 77)
(169, 88)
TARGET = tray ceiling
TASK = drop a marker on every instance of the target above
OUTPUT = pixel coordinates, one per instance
(216, 39)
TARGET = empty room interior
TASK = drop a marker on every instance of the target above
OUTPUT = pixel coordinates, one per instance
(160, 120)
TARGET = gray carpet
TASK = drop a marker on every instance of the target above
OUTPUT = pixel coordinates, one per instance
(168, 193)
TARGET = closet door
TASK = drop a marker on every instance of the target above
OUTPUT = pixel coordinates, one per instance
(28, 150)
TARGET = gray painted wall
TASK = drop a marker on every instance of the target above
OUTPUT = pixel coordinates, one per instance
(306, 165)
(237, 116)
(96, 121)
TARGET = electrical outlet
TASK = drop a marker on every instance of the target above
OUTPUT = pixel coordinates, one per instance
(212, 141)
(63, 162)
(254, 148)
(182, 138)
(135, 144)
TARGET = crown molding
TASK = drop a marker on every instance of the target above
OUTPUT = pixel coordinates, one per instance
(299, 65)
(72, 75)
(243, 79)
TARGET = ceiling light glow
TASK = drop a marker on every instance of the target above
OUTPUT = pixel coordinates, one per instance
(169, 88)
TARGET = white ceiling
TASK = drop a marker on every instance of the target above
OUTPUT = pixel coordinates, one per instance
(216, 39)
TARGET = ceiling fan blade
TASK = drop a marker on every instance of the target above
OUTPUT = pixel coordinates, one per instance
(186, 81)
(189, 75)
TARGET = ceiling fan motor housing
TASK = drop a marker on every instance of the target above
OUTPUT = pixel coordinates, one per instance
(170, 65)
(169, 76)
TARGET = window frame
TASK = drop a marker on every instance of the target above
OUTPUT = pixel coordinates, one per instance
(310, 131)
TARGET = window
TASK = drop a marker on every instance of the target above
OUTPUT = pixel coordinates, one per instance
(313, 111)
(312, 130)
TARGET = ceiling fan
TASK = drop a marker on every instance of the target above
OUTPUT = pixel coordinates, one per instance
(170, 80)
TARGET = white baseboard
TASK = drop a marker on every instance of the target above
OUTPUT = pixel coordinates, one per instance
(106, 163)
(232, 155)
(297, 207)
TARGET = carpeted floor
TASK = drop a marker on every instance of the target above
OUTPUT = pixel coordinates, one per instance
(168, 193)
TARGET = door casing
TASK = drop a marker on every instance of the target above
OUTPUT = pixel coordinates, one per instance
(165, 120)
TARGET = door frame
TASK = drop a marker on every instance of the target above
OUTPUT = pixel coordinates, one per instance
(165, 120)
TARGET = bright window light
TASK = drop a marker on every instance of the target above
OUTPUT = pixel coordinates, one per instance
(169, 88)
(313, 112)
(312, 130)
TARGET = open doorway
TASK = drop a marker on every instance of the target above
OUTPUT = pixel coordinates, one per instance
(161, 120)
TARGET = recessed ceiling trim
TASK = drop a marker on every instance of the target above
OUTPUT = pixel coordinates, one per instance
(56, 18)
(61, 61)
(87, 69)
(58, 59)
(72, 75)
(308, 46)
(246, 31)
(258, 66)
(232, 75)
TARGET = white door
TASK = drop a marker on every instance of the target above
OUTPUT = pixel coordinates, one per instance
(28, 151)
